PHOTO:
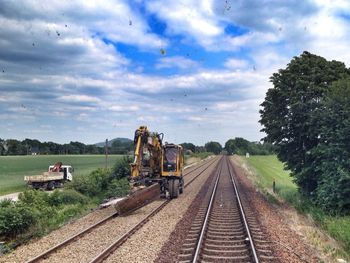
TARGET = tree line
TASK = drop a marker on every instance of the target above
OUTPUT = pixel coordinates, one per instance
(237, 145)
(306, 115)
(33, 146)
(29, 147)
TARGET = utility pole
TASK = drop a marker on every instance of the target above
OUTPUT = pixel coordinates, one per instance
(106, 152)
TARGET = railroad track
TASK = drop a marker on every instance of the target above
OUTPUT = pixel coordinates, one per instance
(123, 238)
(222, 230)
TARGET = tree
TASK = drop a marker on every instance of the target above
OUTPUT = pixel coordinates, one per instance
(2, 148)
(242, 146)
(15, 147)
(122, 147)
(330, 159)
(188, 146)
(213, 147)
(297, 93)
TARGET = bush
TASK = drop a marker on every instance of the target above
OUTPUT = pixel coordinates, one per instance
(34, 198)
(93, 184)
(68, 196)
(15, 220)
(117, 188)
(104, 183)
(122, 168)
(6, 203)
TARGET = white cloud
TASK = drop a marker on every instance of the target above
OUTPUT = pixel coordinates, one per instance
(236, 63)
(79, 98)
(176, 61)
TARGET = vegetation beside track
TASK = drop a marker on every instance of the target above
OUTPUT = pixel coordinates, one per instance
(268, 169)
(38, 212)
(14, 168)
(200, 155)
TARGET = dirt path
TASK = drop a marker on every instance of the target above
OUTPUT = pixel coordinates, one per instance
(13, 196)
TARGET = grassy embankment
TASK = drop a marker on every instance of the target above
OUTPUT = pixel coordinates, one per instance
(14, 168)
(269, 169)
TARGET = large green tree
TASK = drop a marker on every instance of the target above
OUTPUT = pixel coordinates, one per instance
(288, 109)
(213, 147)
(237, 145)
(330, 159)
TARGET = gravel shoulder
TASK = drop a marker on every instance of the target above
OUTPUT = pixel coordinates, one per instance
(304, 227)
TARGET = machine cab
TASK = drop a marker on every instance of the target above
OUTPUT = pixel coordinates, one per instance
(172, 160)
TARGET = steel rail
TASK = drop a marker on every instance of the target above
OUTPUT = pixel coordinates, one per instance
(251, 241)
(117, 243)
(210, 205)
(196, 167)
(69, 240)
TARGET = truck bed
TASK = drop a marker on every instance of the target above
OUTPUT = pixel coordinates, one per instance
(47, 176)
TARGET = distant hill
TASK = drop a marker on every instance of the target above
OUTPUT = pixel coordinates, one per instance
(123, 140)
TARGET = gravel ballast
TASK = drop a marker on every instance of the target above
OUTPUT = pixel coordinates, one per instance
(146, 243)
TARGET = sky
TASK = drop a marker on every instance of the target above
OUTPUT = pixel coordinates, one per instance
(195, 70)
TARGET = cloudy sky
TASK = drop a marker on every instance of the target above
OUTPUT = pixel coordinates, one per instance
(195, 70)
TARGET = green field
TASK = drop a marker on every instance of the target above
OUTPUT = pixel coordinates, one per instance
(13, 168)
(269, 168)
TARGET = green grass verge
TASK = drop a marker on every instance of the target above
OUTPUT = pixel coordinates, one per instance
(14, 168)
(269, 169)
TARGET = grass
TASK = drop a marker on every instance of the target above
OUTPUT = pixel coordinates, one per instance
(269, 169)
(14, 168)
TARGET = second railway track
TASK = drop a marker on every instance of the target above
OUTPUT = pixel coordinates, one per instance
(50, 255)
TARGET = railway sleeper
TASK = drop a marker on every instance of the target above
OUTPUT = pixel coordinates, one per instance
(227, 242)
(224, 252)
(237, 246)
(225, 233)
(221, 228)
(219, 237)
(238, 259)
(225, 227)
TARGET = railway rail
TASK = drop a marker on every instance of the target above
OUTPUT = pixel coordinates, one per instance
(222, 230)
(122, 239)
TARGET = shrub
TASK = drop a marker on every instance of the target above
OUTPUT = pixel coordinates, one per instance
(122, 168)
(68, 196)
(117, 188)
(104, 183)
(35, 198)
(15, 220)
(6, 203)
(92, 184)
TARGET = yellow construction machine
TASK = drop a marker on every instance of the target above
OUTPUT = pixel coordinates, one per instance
(156, 170)
(157, 163)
